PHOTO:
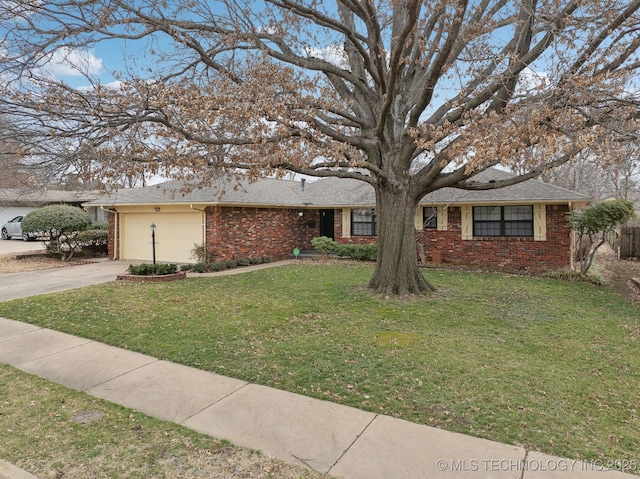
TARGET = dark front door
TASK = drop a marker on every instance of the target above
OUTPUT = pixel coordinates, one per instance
(326, 223)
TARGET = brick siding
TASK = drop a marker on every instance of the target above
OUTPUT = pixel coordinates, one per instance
(111, 236)
(502, 253)
(490, 253)
(238, 233)
(337, 227)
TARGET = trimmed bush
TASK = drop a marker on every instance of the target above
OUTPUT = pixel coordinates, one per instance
(361, 252)
(100, 225)
(324, 244)
(92, 237)
(146, 269)
(199, 268)
(56, 220)
(223, 265)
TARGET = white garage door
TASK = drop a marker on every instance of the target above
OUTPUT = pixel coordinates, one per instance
(176, 235)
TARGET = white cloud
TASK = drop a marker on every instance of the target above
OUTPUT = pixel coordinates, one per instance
(531, 81)
(333, 54)
(114, 85)
(73, 62)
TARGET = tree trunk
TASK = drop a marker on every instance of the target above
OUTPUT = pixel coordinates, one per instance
(397, 271)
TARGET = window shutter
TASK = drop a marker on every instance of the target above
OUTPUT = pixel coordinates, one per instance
(419, 222)
(443, 218)
(540, 222)
(467, 222)
(346, 222)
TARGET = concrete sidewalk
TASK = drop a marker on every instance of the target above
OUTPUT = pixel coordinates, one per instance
(330, 438)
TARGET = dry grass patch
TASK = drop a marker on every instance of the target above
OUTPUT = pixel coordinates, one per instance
(33, 261)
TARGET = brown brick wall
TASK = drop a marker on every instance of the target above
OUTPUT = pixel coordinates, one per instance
(111, 236)
(508, 254)
(239, 233)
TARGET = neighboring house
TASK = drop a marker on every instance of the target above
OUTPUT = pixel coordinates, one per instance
(517, 228)
(18, 202)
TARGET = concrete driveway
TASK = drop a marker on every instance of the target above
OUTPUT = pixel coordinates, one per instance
(18, 246)
(31, 283)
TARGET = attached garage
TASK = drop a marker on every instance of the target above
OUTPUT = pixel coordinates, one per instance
(177, 231)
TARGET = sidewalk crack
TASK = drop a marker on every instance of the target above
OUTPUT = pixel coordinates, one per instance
(348, 448)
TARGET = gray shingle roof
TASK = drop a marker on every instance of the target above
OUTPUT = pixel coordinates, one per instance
(329, 192)
(531, 190)
(42, 197)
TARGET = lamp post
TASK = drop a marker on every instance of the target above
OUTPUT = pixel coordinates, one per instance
(153, 245)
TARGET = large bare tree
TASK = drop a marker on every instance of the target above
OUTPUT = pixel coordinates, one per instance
(409, 96)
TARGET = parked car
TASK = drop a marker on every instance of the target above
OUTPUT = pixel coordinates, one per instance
(13, 228)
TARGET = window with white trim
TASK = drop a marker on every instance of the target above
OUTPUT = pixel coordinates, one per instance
(363, 222)
(503, 220)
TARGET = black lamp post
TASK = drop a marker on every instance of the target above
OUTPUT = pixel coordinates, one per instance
(153, 245)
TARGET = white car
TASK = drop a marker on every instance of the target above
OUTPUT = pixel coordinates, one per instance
(13, 228)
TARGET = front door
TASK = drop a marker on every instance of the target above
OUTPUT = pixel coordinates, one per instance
(326, 223)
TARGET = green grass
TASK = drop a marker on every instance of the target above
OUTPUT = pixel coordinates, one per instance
(39, 432)
(551, 365)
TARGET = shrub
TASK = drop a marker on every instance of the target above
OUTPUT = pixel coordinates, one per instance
(199, 253)
(100, 225)
(216, 267)
(199, 268)
(52, 248)
(92, 237)
(324, 244)
(361, 252)
(228, 264)
(592, 225)
(68, 244)
(146, 269)
(60, 223)
(166, 268)
(56, 220)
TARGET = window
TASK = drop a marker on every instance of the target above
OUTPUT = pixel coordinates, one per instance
(430, 217)
(503, 221)
(363, 222)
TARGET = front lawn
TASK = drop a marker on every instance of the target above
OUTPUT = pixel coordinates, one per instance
(550, 365)
(55, 432)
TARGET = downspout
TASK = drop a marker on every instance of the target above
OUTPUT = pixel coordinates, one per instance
(572, 238)
(203, 231)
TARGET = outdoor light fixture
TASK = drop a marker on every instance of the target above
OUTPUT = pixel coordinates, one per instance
(300, 214)
(153, 245)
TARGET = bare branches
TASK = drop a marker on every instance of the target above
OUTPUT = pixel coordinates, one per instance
(450, 85)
